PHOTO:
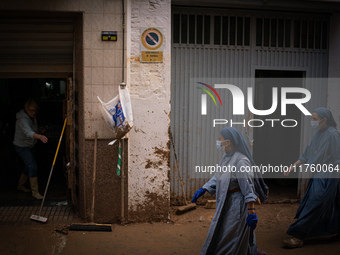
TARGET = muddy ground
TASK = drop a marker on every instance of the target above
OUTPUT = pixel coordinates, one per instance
(184, 234)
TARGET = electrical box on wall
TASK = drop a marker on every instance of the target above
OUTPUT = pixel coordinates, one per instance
(109, 35)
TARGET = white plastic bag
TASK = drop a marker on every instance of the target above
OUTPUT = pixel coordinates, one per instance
(118, 114)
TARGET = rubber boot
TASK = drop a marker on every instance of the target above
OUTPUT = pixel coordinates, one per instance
(21, 184)
(35, 188)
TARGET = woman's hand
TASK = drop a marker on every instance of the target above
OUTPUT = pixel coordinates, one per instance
(252, 220)
(43, 139)
(293, 167)
(198, 194)
(258, 201)
(40, 137)
(289, 170)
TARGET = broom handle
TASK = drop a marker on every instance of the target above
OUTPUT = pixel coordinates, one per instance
(119, 165)
(94, 176)
(55, 157)
(177, 169)
(121, 143)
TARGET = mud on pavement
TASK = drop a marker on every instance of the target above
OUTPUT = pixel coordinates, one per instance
(182, 234)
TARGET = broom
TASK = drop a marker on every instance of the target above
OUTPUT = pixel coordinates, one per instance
(92, 226)
(187, 207)
(38, 217)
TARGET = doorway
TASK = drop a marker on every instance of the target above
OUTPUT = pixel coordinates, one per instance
(50, 95)
(278, 145)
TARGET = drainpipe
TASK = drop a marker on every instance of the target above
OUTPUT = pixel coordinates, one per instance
(123, 59)
(122, 86)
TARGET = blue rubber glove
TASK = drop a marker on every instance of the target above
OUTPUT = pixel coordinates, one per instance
(252, 221)
(198, 194)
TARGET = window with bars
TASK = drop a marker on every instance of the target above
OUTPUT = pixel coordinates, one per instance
(231, 30)
(304, 34)
(191, 29)
(235, 31)
(206, 29)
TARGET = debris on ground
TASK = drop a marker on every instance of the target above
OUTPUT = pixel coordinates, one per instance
(211, 204)
(62, 229)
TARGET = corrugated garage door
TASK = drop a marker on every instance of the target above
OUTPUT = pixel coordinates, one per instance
(36, 46)
(222, 45)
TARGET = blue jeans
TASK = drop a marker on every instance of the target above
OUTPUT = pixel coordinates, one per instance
(27, 155)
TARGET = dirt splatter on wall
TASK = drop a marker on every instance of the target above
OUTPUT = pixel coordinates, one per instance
(149, 187)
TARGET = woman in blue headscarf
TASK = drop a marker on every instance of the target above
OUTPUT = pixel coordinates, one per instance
(232, 228)
(319, 211)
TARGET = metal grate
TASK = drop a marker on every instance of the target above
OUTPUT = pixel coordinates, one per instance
(15, 215)
(191, 29)
(211, 29)
(291, 33)
(231, 30)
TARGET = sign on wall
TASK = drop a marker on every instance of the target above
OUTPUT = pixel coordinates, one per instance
(151, 45)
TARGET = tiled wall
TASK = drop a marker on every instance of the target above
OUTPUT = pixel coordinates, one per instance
(102, 62)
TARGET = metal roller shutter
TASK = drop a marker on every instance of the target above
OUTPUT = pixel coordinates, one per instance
(36, 47)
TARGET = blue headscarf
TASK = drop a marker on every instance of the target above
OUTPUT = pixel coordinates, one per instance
(325, 113)
(240, 145)
(236, 138)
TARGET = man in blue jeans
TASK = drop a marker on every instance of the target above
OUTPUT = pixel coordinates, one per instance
(25, 138)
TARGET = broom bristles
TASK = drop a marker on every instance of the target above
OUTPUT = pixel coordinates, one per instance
(39, 218)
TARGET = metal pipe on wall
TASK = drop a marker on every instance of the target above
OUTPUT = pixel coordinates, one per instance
(122, 85)
(123, 59)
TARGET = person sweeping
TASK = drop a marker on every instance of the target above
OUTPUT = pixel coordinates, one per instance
(232, 227)
(319, 211)
(25, 138)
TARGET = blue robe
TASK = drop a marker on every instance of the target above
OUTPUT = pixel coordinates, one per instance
(319, 211)
(228, 232)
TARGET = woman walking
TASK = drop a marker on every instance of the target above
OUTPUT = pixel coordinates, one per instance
(319, 211)
(232, 228)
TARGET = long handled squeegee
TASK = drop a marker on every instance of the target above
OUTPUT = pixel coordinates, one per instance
(38, 217)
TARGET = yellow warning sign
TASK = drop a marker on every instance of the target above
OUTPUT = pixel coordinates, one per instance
(152, 56)
(151, 45)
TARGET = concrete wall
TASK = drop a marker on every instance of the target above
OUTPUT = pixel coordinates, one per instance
(334, 68)
(149, 84)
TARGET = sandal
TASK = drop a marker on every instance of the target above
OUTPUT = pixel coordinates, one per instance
(293, 242)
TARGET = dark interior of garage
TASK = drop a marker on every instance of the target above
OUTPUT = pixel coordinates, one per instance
(278, 146)
(50, 94)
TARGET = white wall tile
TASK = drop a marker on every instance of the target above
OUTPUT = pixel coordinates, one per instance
(97, 58)
(97, 22)
(87, 39)
(87, 76)
(97, 90)
(97, 76)
(109, 76)
(97, 6)
(96, 41)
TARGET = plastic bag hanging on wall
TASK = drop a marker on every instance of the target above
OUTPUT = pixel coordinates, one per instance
(118, 114)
